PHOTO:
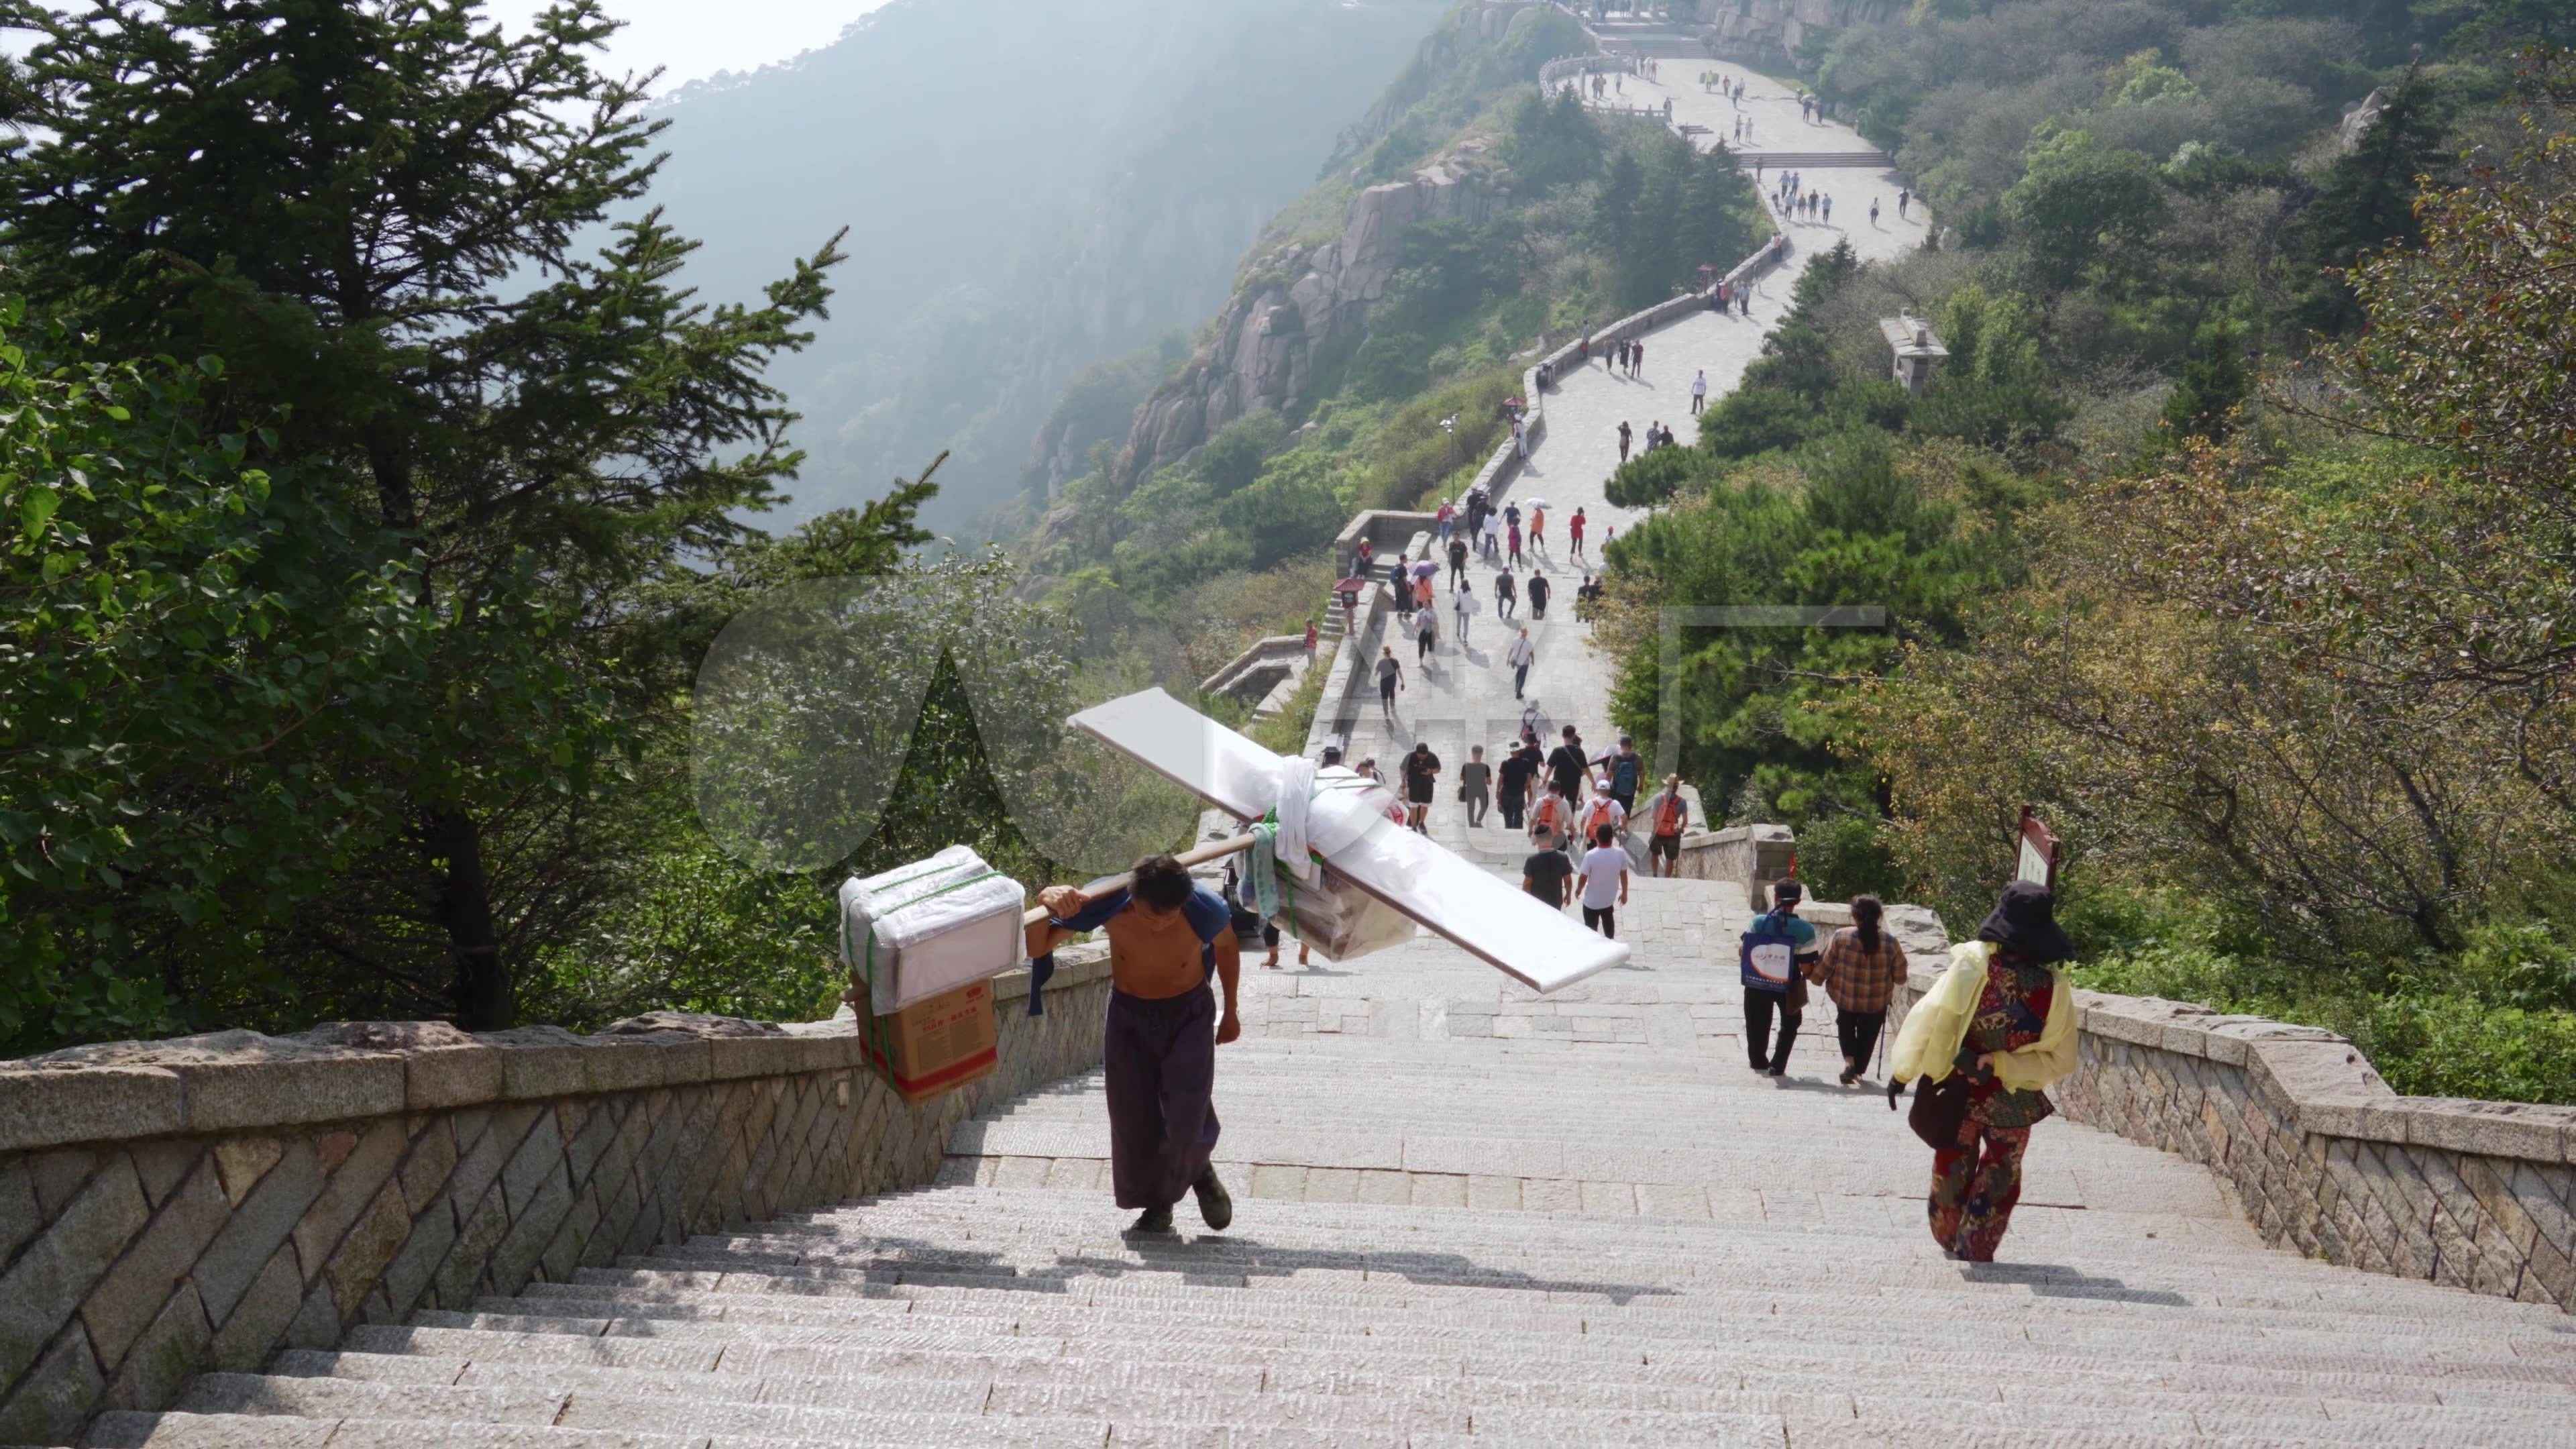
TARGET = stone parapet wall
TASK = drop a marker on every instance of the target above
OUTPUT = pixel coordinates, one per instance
(1262, 664)
(1386, 529)
(2323, 1156)
(1752, 856)
(172, 1207)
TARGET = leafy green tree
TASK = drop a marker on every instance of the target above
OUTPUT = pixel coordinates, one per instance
(1552, 142)
(1852, 525)
(183, 666)
(2214, 382)
(1291, 508)
(1657, 474)
(370, 210)
(2080, 203)
(1780, 402)
(1233, 458)
(2366, 203)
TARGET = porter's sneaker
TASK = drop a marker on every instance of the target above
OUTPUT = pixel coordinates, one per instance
(1215, 1205)
(1152, 1220)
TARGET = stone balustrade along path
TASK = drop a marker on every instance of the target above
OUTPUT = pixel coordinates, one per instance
(1465, 1215)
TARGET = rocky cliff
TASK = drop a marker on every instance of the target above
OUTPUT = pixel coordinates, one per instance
(1301, 307)
(1772, 30)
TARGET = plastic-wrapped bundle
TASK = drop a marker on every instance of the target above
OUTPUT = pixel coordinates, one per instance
(1339, 919)
(931, 926)
(1323, 910)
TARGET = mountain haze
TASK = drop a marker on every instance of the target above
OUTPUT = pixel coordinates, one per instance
(1028, 187)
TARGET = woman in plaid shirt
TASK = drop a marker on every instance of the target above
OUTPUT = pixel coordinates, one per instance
(1860, 969)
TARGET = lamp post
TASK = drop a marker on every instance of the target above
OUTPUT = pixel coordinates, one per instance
(1449, 425)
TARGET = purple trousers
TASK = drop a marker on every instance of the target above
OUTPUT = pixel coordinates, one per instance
(1159, 1061)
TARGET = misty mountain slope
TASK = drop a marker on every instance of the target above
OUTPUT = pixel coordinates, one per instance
(1029, 186)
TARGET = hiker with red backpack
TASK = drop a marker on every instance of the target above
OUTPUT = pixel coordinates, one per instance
(1605, 810)
(1668, 814)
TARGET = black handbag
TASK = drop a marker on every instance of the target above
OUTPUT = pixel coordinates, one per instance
(1940, 1109)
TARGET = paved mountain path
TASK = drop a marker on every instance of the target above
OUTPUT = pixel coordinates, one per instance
(1464, 697)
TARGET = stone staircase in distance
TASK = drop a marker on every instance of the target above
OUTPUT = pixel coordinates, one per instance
(1464, 1215)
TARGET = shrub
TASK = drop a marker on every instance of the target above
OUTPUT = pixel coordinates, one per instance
(1659, 473)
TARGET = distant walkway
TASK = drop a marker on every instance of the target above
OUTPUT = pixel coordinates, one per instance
(1465, 697)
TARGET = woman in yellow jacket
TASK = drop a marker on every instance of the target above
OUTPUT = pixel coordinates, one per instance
(2003, 1015)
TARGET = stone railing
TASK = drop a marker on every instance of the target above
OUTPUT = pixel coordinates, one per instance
(2323, 1156)
(172, 1207)
(1564, 68)
(1349, 679)
(1387, 530)
(1752, 856)
(1254, 672)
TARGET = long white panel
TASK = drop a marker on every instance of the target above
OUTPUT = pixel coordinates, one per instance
(1471, 906)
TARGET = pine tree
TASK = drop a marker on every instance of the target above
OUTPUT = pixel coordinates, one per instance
(369, 209)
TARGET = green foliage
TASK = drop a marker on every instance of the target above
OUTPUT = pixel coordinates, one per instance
(1664, 209)
(2497, 1023)
(1846, 523)
(2140, 81)
(1293, 508)
(190, 653)
(2366, 202)
(2081, 203)
(1657, 474)
(2213, 383)
(1552, 143)
(1233, 458)
(528, 438)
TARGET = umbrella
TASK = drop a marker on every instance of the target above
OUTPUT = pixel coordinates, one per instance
(1424, 569)
(1350, 586)
(1535, 503)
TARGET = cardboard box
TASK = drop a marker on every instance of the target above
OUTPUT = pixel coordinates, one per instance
(935, 1046)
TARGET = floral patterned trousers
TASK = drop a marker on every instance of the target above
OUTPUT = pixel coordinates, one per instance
(1973, 1193)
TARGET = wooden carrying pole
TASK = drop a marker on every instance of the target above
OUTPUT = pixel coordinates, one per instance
(1197, 855)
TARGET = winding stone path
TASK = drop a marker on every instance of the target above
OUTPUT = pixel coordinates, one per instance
(1465, 697)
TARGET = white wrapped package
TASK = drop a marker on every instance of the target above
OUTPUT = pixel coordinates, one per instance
(1339, 919)
(929, 927)
(1325, 810)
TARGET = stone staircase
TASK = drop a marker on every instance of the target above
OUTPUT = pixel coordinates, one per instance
(1464, 1214)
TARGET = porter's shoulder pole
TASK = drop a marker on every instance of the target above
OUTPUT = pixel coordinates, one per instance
(1197, 855)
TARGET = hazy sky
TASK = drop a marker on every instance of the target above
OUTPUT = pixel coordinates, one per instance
(693, 39)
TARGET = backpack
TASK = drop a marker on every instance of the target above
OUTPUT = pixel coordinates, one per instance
(1596, 817)
(1549, 816)
(1768, 956)
(1623, 775)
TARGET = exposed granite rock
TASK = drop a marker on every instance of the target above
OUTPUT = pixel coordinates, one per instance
(1300, 306)
(1774, 29)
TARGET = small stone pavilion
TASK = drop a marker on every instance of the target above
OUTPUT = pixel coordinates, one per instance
(1917, 347)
